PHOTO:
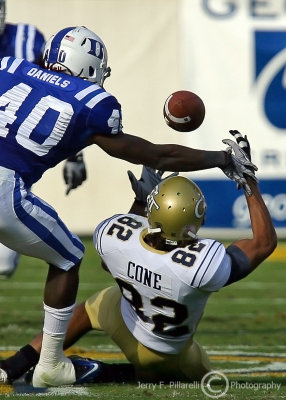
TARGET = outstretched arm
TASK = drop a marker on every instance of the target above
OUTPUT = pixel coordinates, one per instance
(247, 254)
(164, 157)
(264, 239)
(175, 158)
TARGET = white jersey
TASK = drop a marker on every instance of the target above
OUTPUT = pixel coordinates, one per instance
(164, 293)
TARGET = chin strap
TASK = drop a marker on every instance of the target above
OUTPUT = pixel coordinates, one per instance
(192, 235)
(154, 230)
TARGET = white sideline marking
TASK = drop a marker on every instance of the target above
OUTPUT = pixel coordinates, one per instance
(271, 367)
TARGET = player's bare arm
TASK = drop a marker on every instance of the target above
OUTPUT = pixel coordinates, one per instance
(247, 254)
(166, 157)
(264, 238)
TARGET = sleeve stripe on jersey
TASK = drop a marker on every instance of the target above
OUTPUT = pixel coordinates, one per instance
(210, 261)
(83, 93)
(30, 56)
(4, 63)
(99, 231)
(25, 48)
(14, 65)
(19, 41)
(202, 263)
(96, 99)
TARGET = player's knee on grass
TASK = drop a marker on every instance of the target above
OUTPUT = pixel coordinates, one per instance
(194, 362)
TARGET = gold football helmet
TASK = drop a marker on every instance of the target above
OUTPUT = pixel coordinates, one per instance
(176, 208)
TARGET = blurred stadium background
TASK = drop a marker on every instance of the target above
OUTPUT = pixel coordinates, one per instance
(231, 53)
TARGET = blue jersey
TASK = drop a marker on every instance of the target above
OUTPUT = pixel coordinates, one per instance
(47, 116)
(22, 41)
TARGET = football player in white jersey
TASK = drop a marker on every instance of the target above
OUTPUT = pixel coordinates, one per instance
(164, 274)
(26, 41)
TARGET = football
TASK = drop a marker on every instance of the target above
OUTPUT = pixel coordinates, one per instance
(184, 111)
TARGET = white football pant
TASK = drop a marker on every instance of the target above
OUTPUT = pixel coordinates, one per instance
(32, 227)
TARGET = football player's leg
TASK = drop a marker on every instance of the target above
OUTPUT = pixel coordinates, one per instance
(8, 261)
(149, 365)
(34, 228)
(78, 326)
(54, 368)
(104, 313)
(194, 361)
(28, 356)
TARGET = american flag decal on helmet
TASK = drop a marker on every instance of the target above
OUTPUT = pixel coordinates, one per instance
(70, 38)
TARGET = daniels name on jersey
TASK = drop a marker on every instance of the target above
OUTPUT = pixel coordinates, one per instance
(164, 293)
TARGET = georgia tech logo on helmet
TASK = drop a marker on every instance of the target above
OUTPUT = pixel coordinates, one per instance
(200, 208)
(151, 201)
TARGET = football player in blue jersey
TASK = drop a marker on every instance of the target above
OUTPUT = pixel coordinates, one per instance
(49, 112)
(165, 274)
(26, 41)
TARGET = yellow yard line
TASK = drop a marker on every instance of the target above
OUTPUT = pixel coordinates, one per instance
(279, 253)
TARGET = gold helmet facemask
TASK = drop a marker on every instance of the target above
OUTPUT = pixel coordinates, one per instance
(176, 208)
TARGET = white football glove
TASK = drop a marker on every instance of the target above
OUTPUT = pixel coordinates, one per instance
(235, 171)
(240, 155)
(74, 171)
(148, 180)
(240, 166)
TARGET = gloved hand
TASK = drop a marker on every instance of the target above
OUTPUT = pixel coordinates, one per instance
(237, 172)
(148, 180)
(240, 167)
(240, 154)
(74, 171)
(242, 141)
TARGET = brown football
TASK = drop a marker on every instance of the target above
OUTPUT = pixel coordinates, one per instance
(184, 111)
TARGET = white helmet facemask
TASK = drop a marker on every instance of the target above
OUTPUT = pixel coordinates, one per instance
(2, 15)
(79, 52)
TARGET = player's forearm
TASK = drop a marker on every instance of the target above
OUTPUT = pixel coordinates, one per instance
(261, 222)
(166, 157)
(264, 239)
(138, 208)
(181, 158)
(171, 157)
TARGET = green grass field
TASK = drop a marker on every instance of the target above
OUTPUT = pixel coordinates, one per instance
(243, 330)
